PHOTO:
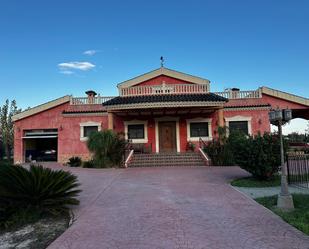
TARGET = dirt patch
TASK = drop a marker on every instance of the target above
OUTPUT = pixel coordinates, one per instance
(35, 236)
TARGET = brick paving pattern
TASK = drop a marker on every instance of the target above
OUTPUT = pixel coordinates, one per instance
(178, 207)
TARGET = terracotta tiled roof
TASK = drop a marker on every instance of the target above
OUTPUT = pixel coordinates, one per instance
(85, 108)
(246, 103)
(210, 97)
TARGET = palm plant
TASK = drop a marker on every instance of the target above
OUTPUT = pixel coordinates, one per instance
(42, 189)
(107, 148)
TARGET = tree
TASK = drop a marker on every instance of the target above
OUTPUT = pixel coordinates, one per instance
(7, 111)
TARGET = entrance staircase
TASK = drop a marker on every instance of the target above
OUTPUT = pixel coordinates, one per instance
(166, 159)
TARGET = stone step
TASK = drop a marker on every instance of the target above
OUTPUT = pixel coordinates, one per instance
(166, 159)
(165, 164)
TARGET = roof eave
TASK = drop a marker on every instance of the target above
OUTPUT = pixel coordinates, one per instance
(162, 71)
(41, 108)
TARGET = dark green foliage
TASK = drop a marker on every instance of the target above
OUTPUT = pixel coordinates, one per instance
(7, 111)
(5, 163)
(251, 182)
(219, 150)
(107, 148)
(259, 155)
(298, 218)
(11, 218)
(40, 190)
(75, 161)
(220, 154)
(89, 164)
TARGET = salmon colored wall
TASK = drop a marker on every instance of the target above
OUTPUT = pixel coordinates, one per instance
(69, 143)
(159, 80)
(259, 122)
(282, 104)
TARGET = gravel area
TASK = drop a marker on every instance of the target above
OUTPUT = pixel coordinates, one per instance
(34, 236)
(269, 191)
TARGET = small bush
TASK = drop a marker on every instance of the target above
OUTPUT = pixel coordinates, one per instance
(41, 190)
(75, 161)
(89, 164)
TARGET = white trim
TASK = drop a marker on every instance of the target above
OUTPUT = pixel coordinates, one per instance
(248, 108)
(137, 122)
(41, 108)
(199, 120)
(162, 119)
(29, 137)
(84, 114)
(240, 118)
(89, 123)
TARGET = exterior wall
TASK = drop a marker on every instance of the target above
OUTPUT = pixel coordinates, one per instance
(158, 81)
(281, 103)
(259, 119)
(69, 143)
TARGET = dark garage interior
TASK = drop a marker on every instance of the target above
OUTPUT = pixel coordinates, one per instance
(41, 145)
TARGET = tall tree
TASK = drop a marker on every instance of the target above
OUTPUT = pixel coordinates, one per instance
(7, 111)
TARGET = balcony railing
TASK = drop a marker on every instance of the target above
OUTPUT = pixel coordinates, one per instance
(88, 100)
(240, 94)
(164, 89)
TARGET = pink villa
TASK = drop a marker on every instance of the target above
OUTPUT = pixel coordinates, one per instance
(162, 111)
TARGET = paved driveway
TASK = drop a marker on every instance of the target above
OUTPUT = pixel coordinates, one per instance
(181, 207)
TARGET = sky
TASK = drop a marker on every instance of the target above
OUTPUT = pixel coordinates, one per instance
(49, 49)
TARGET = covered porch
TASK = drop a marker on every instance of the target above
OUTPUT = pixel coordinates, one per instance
(166, 130)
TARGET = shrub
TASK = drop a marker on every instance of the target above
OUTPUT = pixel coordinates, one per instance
(89, 164)
(75, 161)
(219, 150)
(37, 188)
(259, 155)
(107, 148)
(220, 154)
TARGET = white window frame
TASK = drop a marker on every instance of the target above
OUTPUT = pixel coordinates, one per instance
(239, 118)
(199, 120)
(137, 122)
(85, 124)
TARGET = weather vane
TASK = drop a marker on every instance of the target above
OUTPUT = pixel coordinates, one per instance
(162, 61)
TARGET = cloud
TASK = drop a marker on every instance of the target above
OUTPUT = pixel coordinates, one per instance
(75, 65)
(90, 52)
(68, 72)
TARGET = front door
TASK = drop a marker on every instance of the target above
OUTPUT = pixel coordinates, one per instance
(167, 136)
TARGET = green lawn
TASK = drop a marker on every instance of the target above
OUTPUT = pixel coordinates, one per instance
(298, 218)
(251, 182)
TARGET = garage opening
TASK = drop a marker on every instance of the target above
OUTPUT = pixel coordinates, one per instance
(41, 145)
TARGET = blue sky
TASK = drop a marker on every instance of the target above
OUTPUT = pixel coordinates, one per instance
(242, 44)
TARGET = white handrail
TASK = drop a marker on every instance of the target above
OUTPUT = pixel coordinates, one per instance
(89, 101)
(205, 157)
(164, 89)
(128, 158)
(240, 94)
